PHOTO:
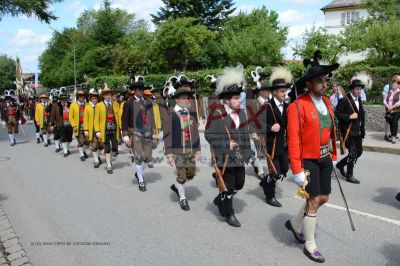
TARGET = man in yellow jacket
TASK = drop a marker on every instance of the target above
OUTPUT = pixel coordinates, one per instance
(107, 125)
(42, 117)
(88, 127)
(76, 116)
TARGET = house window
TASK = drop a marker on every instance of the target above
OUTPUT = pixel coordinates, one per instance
(350, 17)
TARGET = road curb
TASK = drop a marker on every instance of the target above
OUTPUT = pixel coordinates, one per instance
(11, 251)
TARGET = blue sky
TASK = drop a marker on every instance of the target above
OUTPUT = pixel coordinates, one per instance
(27, 37)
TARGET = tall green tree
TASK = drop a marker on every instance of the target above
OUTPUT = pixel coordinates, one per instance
(318, 39)
(211, 13)
(7, 73)
(254, 39)
(29, 8)
(180, 40)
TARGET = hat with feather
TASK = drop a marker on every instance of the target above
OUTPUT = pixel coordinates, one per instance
(281, 77)
(230, 82)
(361, 79)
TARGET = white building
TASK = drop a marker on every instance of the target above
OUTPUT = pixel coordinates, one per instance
(338, 15)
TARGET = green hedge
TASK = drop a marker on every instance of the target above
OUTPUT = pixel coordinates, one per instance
(381, 75)
(158, 80)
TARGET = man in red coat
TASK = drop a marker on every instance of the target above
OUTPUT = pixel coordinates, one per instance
(312, 147)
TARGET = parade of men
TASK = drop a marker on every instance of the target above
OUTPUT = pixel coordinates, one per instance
(76, 117)
(311, 148)
(275, 145)
(138, 130)
(107, 125)
(182, 142)
(225, 132)
(10, 114)
(228, 135)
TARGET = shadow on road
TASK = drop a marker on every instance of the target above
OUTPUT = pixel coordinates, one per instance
(387, 196)
(120, 165)
(151, 177)
(392, 253)
(3, 197)
(22, 142)
(279, 231)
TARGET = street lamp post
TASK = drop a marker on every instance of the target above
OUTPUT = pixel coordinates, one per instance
(73, 46)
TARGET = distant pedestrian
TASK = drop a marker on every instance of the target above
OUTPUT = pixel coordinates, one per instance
(392, 106)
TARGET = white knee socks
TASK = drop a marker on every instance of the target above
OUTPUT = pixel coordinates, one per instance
(95, 157)
(57, 142)
(65, 148)
(139, 172)
(181, 190)
(80, 151)
(108, 159)
(309, 223)
(11, 136)
(297, 220)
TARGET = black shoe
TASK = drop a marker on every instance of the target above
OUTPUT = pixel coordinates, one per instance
(314, 256)
(299, 237)
(14, 141)
(83, 158)
(12, 144)
(142, 186)
(341, 170)
(184, 205)
(398, 197)
(352, 179)
(66, 154)
(174, 189)
(261, 176)
(38, 140)
(232, 221)
(386, 138)
(48, 142)
(109, 170)
(273, 202)
(85, 155)
(58, 150)
(96, 165)
(218, 202)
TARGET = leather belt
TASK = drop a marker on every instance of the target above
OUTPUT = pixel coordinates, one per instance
(324, 151)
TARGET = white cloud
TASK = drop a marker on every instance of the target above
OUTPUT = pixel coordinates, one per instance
(244, 8)
(141, 8)
(28, 45)
(302, 2)
(76, 7)
(297, 23)
(28, 38)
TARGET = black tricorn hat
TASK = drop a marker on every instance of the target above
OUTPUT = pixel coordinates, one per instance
(138, 85)
(314, 71)
(356, 83)
(182, 91)
(230, 91)
(262, 75)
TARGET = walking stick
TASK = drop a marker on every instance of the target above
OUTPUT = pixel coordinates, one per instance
(345, 201)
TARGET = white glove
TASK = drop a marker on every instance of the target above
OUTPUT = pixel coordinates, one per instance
(299, 178)
(98, 135)
(334, 163)
(19, 122)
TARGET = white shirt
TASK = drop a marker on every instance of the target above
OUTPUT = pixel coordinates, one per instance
(234, 115)
(320, 105)
(108, 103)
(262, 100)
(177, 109)
(93, 105)
(355, 101)
(139, 99)
(279, 104)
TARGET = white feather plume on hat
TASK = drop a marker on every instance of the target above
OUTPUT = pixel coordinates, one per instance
(231, 76)
(365, 79)
(281, 73)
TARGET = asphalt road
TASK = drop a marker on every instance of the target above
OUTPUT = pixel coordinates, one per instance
(68, 204)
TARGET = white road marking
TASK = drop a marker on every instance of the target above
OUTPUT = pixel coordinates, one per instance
(360, 213)
(365, 214)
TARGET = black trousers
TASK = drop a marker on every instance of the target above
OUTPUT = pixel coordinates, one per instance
(66, 134)
(354, 145)
(37, 128)
(394, 124)
(57, 133)
(320, 175)
(234, 178)
(281, 164)
(110, 143)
